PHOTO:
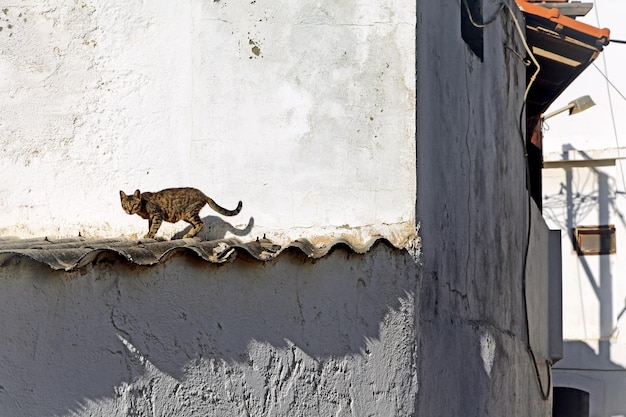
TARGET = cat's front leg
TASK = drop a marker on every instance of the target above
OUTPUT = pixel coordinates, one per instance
(153, 223)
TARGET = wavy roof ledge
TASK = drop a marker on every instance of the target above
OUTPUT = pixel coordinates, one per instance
(69, 254)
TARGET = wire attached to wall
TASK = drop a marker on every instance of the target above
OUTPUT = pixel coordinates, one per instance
(522, 35)
(545, 392)
(489, 21)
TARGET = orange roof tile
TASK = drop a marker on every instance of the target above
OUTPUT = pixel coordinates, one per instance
(555, 16)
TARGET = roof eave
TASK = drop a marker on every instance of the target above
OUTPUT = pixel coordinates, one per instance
(563, 47)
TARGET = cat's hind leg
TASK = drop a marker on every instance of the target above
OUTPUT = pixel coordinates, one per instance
(197, 224)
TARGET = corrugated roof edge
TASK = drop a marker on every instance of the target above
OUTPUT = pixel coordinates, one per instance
(75, 253)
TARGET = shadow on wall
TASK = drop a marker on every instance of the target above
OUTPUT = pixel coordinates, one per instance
(577, 354)
(588, 190)
(585, 190)
(215, 228)
(225, 339)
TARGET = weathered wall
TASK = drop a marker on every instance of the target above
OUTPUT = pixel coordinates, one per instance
(472, 207)
(336, 336)
(304, 111)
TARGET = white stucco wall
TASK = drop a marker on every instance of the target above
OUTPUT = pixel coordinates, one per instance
(304, 111)
(588, 196)
(593, 291)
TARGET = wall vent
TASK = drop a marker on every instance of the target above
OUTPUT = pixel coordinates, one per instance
(595, 240)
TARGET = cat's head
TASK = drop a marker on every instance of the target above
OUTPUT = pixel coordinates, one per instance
(131, 203)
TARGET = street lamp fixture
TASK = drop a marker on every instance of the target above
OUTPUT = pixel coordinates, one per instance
(576, 106)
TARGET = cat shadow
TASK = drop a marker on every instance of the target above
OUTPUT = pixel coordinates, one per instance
(215, 228)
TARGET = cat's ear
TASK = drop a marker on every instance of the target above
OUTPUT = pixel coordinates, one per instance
(122, 194)
(137, 194)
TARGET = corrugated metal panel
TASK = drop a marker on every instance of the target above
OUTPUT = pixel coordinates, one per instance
(74, 253)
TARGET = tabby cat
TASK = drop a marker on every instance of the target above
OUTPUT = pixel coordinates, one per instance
(172, 205)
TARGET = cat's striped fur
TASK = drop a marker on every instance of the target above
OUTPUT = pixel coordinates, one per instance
(172, 205)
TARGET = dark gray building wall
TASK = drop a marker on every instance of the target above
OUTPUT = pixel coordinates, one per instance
(473, 212)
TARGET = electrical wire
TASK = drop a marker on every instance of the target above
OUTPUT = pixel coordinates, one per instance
(530, 53)
(545, 392)
(484, 24)
(609, 82)
(608, 90)
(518, 27)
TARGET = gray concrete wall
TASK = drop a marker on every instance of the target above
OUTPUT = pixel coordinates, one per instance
(472, 208)
(336, 336)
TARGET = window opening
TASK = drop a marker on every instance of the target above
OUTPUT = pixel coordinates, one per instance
(570, 402)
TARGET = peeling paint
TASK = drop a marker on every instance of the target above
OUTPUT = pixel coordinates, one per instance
(487, 351)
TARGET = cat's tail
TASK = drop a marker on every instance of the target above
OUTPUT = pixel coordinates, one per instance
(221, 210)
